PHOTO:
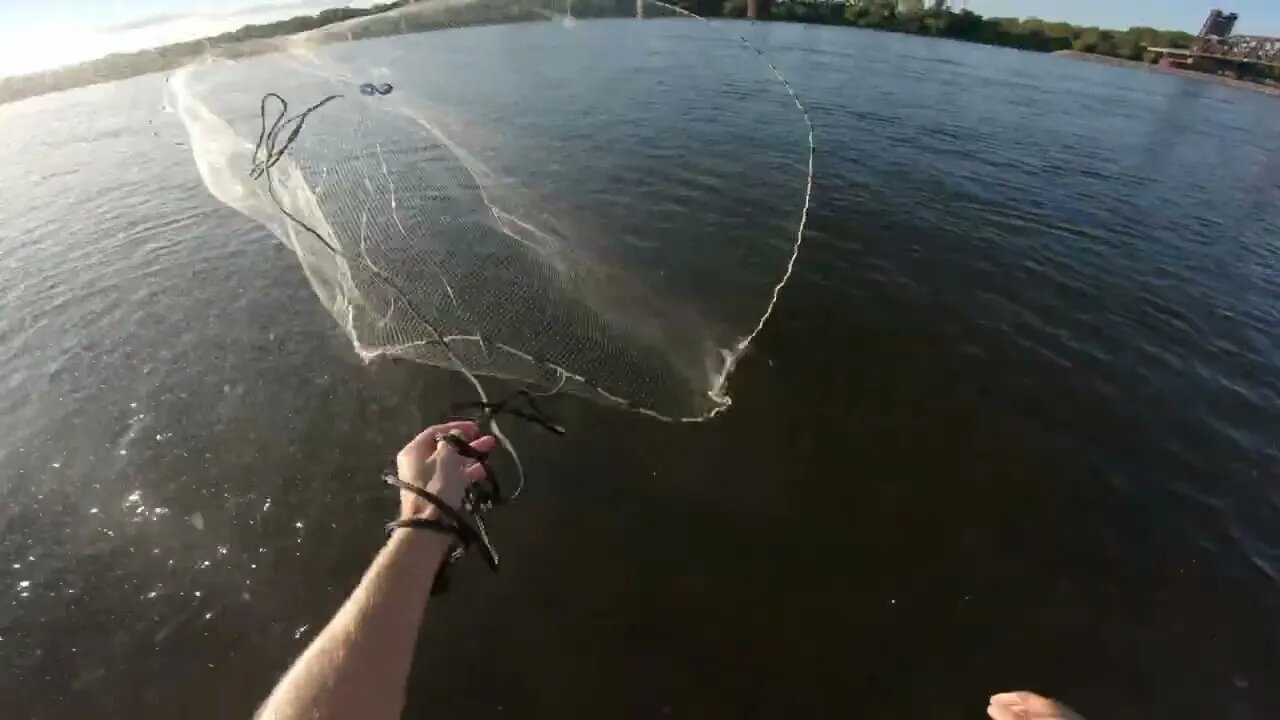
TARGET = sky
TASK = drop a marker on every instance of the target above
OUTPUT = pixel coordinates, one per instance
(40, 34)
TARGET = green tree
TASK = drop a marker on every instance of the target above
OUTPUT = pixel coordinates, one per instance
(872, 13)
(1087, 40)
(1106, 44)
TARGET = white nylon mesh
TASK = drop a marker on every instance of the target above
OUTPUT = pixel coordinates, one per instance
(484, 215)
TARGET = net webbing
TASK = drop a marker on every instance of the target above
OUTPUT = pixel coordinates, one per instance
(456, 221)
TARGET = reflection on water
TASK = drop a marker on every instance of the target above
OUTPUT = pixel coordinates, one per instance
(1012, 426)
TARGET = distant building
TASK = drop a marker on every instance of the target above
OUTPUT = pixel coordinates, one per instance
(1218, 51)
(1220, 24)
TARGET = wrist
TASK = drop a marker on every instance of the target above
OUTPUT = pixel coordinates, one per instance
(425, 511)
(417, 501)
(420, 540)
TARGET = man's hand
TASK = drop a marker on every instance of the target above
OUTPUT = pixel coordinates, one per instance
(1025, 705)
(438, 468)
(358, 666)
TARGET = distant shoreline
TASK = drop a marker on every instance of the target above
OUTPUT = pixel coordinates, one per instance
(252, 40)
(1272, 90)
(405, 16)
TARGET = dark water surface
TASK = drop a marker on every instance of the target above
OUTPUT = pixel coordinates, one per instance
(1013, 425)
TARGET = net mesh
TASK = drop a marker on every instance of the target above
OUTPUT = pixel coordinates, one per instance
(507, 189)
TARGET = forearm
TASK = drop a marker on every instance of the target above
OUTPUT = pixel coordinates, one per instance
(358, 666)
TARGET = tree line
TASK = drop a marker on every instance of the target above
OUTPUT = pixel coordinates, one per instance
(907, 16)
(917, 18)
(922, 17)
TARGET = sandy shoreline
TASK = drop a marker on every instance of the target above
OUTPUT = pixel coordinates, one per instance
(1242, 84)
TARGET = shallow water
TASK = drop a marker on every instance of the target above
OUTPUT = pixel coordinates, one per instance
(1013, 425)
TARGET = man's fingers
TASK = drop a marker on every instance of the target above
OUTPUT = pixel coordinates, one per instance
(1025, 705)
(423, 440)
(422, 446)
(1030, 701)
(467, 429)
(1022, 697)
(486, 444)
(426, 450)
(447, 449)
(1004, 712)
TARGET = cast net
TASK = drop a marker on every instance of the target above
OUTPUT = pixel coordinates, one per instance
(601, 198)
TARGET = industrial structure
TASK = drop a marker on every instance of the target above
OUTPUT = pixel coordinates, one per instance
(1216, 50)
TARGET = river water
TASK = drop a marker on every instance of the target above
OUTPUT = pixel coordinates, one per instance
(1013, 425)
